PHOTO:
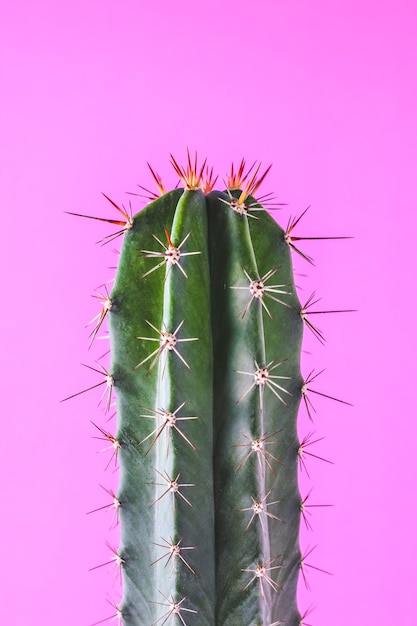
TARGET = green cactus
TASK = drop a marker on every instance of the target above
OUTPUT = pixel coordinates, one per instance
(205, 335)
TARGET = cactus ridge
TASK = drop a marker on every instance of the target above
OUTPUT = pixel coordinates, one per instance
(205, 334)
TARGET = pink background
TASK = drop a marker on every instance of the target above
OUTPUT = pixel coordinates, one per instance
(324, 90)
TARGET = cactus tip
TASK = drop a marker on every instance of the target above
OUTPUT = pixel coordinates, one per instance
(191, 175)
(235, 180)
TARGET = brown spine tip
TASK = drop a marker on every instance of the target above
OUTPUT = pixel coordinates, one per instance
(191, 175)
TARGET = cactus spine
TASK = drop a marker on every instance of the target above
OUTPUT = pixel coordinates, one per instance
(205, 332)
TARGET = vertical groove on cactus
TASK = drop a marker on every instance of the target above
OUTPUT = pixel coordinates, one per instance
(205, 337)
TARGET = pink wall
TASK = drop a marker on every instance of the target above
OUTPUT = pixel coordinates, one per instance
(324, 90)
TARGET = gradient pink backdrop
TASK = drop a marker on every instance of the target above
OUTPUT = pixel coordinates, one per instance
(324, 90)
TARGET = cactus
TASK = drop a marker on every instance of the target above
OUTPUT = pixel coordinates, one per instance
(205, 337)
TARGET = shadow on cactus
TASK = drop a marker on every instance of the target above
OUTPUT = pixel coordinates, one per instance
(205, 337)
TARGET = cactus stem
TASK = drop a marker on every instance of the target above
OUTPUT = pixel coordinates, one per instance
(262, 378)
(170, 257)
(258, 290)
(259, 508)
(302, 452)
(175, 609)
(100, 317)
(304, 507)
(115, 444)
(305, 389)
(170, 422)
(173, 486)
(108, 381)
(118, 615)
(303, 565)
(114, 504)
(174, 552)
(167, 342)
(260, 574)
(257, 446)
